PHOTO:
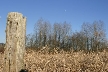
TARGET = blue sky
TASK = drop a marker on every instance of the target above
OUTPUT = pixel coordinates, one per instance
(74, 12)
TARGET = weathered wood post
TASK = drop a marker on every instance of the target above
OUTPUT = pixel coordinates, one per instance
(15, 42)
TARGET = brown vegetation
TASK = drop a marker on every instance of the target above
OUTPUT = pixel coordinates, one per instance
(43, 61)
(1, 50)
(2, 47)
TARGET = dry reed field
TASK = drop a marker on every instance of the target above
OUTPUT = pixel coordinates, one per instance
(42, 61)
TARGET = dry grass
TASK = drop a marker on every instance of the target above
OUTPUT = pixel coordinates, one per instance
(41, 61)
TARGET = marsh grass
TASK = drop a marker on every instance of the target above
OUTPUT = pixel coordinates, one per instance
(61, 61)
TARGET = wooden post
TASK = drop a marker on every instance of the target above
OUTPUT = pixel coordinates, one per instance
(15, 42)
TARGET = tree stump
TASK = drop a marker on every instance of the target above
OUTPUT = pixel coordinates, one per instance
(15, 42)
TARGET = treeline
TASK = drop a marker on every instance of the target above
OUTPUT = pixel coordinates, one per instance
(91, 37)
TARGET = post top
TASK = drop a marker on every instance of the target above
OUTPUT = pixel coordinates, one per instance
(14, 15)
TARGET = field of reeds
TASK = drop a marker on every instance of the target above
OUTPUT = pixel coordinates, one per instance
(43, 61)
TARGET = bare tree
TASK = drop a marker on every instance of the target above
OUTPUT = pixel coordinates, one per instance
(95, 35)
(99, 34)
(42, 30)
(56, 34)
(30, 41)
